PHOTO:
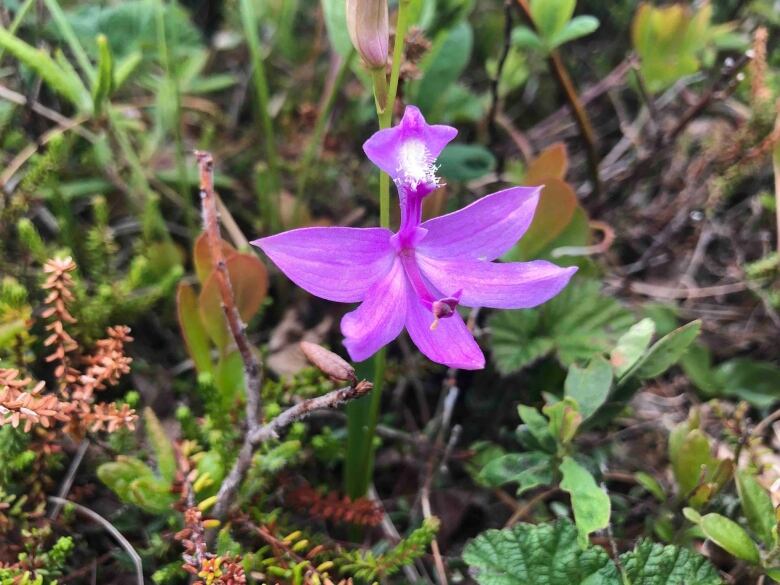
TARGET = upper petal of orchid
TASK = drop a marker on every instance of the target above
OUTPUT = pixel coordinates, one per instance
(485, 229)
(511, 285)
(449, 343)
(407, 152)
(380, 317)
(335, 263)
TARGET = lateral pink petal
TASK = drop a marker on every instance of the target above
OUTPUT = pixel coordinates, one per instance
(334, 263)
(380, 317)
(511, 285)
(450, 343)
(486, 229)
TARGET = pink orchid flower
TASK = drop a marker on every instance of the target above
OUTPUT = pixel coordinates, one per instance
(417, 277)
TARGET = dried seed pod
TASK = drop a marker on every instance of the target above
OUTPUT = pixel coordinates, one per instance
(334, 366)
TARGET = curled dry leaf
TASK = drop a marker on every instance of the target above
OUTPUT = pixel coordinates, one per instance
(329, 363)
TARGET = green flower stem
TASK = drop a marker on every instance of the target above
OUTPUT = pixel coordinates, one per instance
(17, 21)
(249, 23)
(362, 415)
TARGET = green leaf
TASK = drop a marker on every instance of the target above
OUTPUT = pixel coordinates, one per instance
(756, 382)
(757, 506)
(731, 537)
(195, 336)
(104, 83)
(656, 564)
(692, 461)
(589, 386)
(578, 324)
(524, 38)
(336, 24)
(64, 81)
(591, 504)
(551, 16)
(442, 66)
(543, 554)
(651, 484)
(631, 345)
(577, 27)
(565, 420)
(527, 470)
(664, 353)
(538, 426)
(465, 162)
(161, 445)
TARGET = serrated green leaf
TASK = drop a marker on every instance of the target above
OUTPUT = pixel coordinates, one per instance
(589, 386)
(591, 504)
(576, 28)
(731, 537)
(527, 470)
(544, 554)
(631, 345)
(161, 445)
(656, 564)
(578, 324)
(64, 81)
(757, 506)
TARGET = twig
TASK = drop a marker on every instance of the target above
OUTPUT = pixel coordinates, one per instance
(121, 540)
(521, 513)
(272, 429)
(70, 477)
(766, 423)
(252, 370)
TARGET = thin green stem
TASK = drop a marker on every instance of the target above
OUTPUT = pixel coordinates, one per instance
(17, 21)
(362, 415)
(249, 23)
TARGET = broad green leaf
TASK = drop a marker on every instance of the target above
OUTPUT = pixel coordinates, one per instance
(697, 365)
(194, 333)
(551, 16)
(656, 564)
(443, 65)
(731, 537)
(336, 24)
(631, 345)
(756, 382)
(692, 461)
(64, 81)
(757, 506)
(465, 162)
(578, 324)
(161, 445)
(538, 427)
(565, 419)
(543, 554)
(664, 353)
(589, 386)
(524, 38)
(591, 504)
(527, 470)
(104, 83)
(577, 27)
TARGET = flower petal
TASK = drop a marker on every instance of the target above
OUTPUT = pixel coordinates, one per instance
(450, 343)
(384, 148)
(335, 263)
(380, 317)
(511, 285)
(485, 229)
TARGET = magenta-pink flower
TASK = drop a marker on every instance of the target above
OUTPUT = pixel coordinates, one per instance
(416, 278)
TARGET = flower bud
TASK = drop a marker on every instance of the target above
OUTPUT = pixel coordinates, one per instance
(367, 23)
